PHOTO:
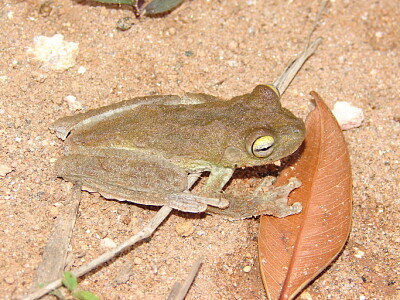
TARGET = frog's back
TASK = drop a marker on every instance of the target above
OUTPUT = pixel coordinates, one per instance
(199, 132)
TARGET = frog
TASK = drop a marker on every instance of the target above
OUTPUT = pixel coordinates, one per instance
(150, 150)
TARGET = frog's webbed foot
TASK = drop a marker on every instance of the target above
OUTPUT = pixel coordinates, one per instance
(272, 202)
(188, 202)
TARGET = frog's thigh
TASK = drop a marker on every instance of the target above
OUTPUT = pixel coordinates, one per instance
(143, 180)
(140, 180)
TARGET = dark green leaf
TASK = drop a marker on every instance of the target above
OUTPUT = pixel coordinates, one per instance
(161, 6)
(70, 281)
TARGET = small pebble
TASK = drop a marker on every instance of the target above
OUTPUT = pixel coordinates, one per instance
(358, 253)
(247, 269)
(305, 295)
(53, 212)
(5, 169)
(81, 70)
(125, 23)
(233, 45)
(9, 280)
(108, 243)
(172, 31)
(39, 76)
(347, 115)
(184, 228)
(73, 104)
(126, 220)
(137, 261)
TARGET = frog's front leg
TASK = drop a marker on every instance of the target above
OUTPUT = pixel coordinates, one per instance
(219, 177)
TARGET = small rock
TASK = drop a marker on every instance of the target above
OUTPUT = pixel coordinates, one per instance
(172, 31)
(124, 23)
(55, 53)
(247, 269)
(305, 295)
(39, 76)
(5, 169)
(137, 261)
(347, 115)
(233, 45)
(184, 228)
(358, 253)
(108, 243)
(9, 280)
(81, 70)
(73, 104)
(54, 211)
(126, 220)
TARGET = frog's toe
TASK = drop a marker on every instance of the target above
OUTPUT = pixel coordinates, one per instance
(281, 209)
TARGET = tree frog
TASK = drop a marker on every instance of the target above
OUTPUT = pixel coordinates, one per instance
(150, 150)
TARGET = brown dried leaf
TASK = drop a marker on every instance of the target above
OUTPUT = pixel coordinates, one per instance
(295, 249)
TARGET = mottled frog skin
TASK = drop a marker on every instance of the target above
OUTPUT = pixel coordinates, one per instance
(150, 150)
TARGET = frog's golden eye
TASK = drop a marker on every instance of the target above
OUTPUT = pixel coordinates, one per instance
(260, 143)
(263, 146)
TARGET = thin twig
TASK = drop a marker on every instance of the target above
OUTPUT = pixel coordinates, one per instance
(55, 253)
(147, 231)
(179, 290)
(290, 72)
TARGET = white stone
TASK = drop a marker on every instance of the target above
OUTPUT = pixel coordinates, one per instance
(81, 70)
(73, 104)
(55, 53)
(108, 243)
(347, 115)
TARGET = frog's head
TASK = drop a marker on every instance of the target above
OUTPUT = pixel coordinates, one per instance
(274, 132)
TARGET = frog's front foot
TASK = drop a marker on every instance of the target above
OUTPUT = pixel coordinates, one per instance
(271, 202)
(274, 201)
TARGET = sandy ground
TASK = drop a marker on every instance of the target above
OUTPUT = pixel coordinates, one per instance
(234, 45)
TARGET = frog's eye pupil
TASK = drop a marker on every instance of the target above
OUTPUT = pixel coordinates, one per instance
(263, 146)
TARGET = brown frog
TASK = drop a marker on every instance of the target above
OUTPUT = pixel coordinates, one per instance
(150, 150)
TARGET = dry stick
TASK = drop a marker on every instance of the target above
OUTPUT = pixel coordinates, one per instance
(147, 231)
(179, 290)
(290, 72)
(55, 254)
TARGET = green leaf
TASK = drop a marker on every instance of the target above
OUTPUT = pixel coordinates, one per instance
(161, 6)
(85, 295)
(57, 293)
(129, 2)
(70, 281)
